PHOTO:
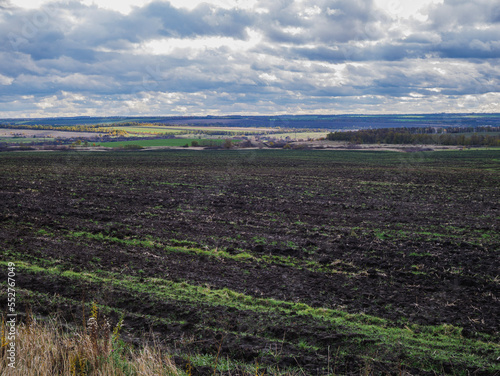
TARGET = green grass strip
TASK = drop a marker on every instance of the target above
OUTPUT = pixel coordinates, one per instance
(243, 256)
(426, 346)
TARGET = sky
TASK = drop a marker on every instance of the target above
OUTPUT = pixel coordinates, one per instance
(248, 57)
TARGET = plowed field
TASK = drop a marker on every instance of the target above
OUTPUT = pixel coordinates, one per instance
(313, 262)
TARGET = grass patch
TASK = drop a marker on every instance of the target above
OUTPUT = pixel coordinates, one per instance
(44, 348)
(426, 346)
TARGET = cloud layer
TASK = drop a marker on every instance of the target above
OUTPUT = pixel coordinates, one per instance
(286, 56)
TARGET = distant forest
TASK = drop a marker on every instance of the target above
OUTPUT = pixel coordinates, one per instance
(469, 136)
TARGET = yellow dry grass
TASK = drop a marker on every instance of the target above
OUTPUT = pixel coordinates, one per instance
(45, 349)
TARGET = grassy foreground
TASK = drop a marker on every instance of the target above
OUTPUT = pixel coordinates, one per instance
(98, 346)
(50, 348)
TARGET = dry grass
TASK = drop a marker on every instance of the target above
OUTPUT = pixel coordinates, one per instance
(45, 349)
(50, 348)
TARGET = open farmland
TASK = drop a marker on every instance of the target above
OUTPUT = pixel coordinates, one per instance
(192, 129)
(24, 139)
(40, 135)
(316, 263)
(147, 130)
(160, 142)
(300, 135)
(231, 128)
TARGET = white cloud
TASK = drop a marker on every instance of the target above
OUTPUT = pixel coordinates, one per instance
(47, 102)
(255, 56)
(30, 4)
(122, 6)
(189, 47)
(126, 6)
(4, 80)
(407, 8)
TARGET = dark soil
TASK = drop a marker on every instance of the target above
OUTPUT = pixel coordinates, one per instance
(411, 238)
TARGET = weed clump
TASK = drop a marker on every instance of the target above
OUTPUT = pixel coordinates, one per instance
(46, 349)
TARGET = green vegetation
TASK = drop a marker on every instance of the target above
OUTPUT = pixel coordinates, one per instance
(301, 134)
(480, 136)
(425, 345)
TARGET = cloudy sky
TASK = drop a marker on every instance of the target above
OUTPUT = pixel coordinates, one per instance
(217, 57)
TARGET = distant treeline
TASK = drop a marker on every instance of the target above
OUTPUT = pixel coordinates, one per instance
(478, 136)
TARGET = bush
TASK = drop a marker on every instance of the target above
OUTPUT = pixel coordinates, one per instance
(132, 147)
(195, 143)
(25, 147)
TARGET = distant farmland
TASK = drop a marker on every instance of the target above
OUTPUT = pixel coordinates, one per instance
(161, 142)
